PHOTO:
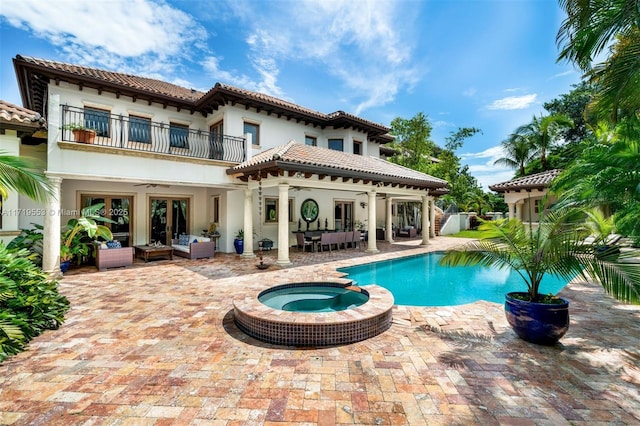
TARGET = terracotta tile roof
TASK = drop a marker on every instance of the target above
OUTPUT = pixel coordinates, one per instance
(535, 181)
(206, 102)
(296, 156)
(16, 115)
(149, 85)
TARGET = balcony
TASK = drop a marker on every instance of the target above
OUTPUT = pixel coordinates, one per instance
(141, 134)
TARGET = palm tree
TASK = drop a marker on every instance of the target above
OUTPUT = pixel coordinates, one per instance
(555, 247)
(542, 132)
(591, 27)
(607, 175)
(23, 175)
(618, 79)
(518, 152)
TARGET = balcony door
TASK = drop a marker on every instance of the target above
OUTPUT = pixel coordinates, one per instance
(169, 218)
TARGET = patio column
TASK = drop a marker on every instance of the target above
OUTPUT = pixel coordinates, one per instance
(52, 228)
(519, 207)
(247, 249)
(512, 210)
(389, 222)
(283, 224)
(432, 218)
(425, 221)
(371, 242)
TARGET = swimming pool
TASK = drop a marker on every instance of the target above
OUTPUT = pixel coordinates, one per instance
(421, 281)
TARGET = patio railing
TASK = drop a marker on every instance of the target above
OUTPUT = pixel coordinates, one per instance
(141, 134)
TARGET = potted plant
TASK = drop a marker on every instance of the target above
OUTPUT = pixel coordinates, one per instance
(77, 235)
(557, 247)
(81, 133)
(238, 242)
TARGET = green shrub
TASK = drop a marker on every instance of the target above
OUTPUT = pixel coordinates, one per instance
(29, 301)
(30, 239)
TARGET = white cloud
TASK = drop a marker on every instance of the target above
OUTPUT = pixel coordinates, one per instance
(362, 44)
(482, 168)
(492, 153)
(513, 102)
(111, 33)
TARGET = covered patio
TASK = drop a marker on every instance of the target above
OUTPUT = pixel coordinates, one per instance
(295, 166)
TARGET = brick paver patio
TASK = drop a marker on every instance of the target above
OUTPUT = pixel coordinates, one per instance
(155, 344)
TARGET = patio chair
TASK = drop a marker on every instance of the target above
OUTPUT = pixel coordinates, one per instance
(357, 236)
(348, 239)
(326, 239)
(303, 243)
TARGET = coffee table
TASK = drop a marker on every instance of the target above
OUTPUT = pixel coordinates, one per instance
(150, 252)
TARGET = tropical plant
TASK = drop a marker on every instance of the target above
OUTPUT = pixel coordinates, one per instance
(542, 132)
(29, 301)
(591, 27)
(23, 175)
(240, 234)
(30, 239)
(518, 152)
(556, 246)
(607, 175)
(78, 233)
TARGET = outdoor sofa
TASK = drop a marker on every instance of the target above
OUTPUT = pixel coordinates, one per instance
(193, 247)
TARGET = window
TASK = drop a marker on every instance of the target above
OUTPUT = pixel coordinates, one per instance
(311, 141)
(271, 210)
(357, 147)
(254, 130)
(216, 209)
(98, 120)
(178, 135)
(139, 129)
(336, 144)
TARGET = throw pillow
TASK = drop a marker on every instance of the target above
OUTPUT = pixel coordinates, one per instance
(183, 240)
(195, 240)
(114, 244)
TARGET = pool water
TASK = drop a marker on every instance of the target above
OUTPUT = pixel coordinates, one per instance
(312, 298)
(421, 281)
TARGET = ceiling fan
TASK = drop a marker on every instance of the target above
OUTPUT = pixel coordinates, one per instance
(153, 185)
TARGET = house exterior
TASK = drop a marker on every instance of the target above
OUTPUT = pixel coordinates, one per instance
(523, 195)
(168, 160)
(18, 126)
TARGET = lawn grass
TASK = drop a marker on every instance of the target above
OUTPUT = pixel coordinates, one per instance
(468, 233)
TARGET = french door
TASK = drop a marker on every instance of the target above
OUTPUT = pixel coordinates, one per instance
(169, 217)
(117, 208)
(343, 215)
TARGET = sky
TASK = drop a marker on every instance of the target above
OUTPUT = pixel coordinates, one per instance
(489, 64)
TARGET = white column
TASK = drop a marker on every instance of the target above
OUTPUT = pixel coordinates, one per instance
(52, 228)
(371, 243)
(425, 220)
(283, 224)
(388, 221)
(247, 250)
(512, 210)
(519, 207)
(432, 217)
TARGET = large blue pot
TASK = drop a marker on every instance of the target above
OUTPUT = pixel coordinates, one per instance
(64, 266)
(540, 323)
(239, 245)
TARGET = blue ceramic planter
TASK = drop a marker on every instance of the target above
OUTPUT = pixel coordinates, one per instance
(238, 245)
(540, 323)
(64, 266)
